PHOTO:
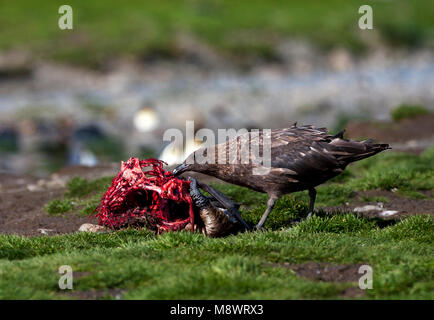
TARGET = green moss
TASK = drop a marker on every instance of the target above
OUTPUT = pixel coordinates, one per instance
(406, 111)
(81, 196)
(79, 187)
(56, 207)
(191, 266)
(89, 206)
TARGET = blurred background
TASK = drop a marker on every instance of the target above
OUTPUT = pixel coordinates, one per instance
(109, 88)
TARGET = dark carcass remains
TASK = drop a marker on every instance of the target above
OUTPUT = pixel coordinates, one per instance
(144, 194)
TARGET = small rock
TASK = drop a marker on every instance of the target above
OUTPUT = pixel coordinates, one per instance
(412, 144)
(34, 187)
(89, 227)
(55, 184)
(45, 231)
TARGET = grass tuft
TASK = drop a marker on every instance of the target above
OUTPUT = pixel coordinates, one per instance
(347, 223)
(79, 187)
(419, 228)
(56, 206)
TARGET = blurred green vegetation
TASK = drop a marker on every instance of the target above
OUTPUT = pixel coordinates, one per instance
(56, 206)
(405, 111)
(238, 29)
(107, 148)
(8, 146)
(81, 196)
(80, 187)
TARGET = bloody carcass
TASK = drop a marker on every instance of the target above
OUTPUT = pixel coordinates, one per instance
(144, 194)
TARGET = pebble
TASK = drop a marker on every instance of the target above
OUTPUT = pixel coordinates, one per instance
(89, 227)
(34, 187)
(45, 231)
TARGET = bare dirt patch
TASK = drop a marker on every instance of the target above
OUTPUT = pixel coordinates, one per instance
(404, 205)
(81, 274)
(22, 211)
(352, 292)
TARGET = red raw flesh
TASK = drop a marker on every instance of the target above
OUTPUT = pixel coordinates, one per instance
(119, 204)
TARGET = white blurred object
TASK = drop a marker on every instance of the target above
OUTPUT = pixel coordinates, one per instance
(367, 208)
(190, 147)
(79, 155)
(388, 213)
(87, 158)
(173, 155)
(146, 120)
(45, 231)
(34, 187)
(89, 227)
(378, 207)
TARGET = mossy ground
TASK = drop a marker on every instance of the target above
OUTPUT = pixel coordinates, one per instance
(182, 265)
(191, 266)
